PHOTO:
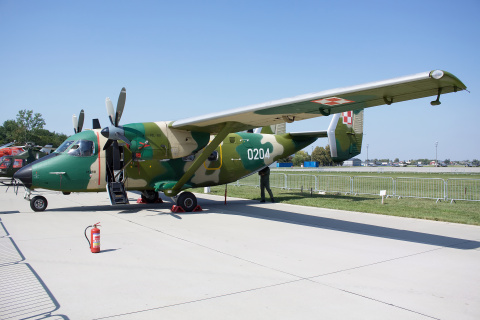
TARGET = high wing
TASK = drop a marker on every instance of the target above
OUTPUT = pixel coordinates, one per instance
(327, 102)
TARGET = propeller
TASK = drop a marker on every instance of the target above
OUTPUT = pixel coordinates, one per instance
(78, 123)
(115, 132)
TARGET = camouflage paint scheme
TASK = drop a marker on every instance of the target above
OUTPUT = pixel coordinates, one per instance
(172, 156)
(239, 154)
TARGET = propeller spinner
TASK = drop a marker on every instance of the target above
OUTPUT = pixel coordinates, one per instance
(115, 131)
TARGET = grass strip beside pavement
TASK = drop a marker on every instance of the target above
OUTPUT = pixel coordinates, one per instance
(466, 212)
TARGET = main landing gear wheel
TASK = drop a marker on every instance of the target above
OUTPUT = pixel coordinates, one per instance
(187, 201)
(38, 203)
(149, 196)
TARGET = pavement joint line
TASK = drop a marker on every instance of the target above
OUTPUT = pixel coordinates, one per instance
(300, 278)
(392, 259)
(380, 262)
(377, 300)
(215, 250)
(200, 300)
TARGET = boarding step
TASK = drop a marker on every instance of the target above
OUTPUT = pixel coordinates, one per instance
(117, 193)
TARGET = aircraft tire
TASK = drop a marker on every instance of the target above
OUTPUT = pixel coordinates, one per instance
(150, 196)
(38, 203)
(187, 201)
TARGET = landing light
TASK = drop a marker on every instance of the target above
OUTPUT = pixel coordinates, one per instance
(437, 74)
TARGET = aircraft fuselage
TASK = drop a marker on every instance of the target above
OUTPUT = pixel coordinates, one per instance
(160, 156)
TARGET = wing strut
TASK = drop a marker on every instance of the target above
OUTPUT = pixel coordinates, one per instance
(201, 159)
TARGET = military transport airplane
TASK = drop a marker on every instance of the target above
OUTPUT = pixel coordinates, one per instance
(215, 149)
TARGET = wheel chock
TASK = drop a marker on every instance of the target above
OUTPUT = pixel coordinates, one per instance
(177, 209)
(180, 209)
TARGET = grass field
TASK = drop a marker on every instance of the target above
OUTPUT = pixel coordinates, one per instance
(466, 212)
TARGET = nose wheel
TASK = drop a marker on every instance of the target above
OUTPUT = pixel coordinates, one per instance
(38, 203)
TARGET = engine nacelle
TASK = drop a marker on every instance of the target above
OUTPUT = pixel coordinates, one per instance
(156, 140)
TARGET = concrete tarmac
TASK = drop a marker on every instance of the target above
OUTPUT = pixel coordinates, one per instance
(243, 260)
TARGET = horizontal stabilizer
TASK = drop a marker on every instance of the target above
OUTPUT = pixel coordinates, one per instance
(309, 134)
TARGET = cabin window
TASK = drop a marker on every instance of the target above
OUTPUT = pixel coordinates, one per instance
(82, 148)
(213, 156)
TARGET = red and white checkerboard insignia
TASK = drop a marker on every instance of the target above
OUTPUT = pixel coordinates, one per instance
(333, 101)
(347, 117)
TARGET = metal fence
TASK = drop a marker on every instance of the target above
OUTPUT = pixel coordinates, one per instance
(462, 189)
(429, 188)
(451, 189)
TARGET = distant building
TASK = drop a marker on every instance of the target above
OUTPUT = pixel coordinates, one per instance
(355, 162)
(284, 164)
(311, 164)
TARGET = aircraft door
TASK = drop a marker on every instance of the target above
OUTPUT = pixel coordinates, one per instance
(115, 162)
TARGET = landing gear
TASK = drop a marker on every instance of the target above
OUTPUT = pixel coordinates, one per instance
(187, 201)
(149, 196)
(38, 203)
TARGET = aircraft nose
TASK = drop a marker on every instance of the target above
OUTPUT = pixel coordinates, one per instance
(105, 132)
(24, 175)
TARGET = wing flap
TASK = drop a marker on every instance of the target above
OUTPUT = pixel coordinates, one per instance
(326, 102)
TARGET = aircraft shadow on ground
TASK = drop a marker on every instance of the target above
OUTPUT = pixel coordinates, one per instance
(248, 209)
(25, 294)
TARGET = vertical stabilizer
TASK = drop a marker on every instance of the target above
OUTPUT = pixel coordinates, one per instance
(345, 135)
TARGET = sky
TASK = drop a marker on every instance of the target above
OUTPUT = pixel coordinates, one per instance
(179, 59)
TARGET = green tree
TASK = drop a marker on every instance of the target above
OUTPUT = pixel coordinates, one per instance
(287, 159)
(300, 157)
(322, 156)
(29, 123)
(29, 127)
(10, 131)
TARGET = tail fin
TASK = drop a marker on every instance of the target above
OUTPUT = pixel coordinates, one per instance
(345, 135)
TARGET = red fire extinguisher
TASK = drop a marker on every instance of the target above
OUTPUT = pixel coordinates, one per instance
(94, 241)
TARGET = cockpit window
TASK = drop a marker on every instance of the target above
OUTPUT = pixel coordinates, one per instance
(64, 146)
(82, 148)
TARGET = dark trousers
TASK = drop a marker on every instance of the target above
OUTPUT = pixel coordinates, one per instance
(265, 184)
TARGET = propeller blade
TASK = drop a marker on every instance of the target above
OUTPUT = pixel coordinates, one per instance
(81, 117)
(122, 137)
(111, 113)
(96, 124)
(120, 106)
(75, 123)
(107, 144)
